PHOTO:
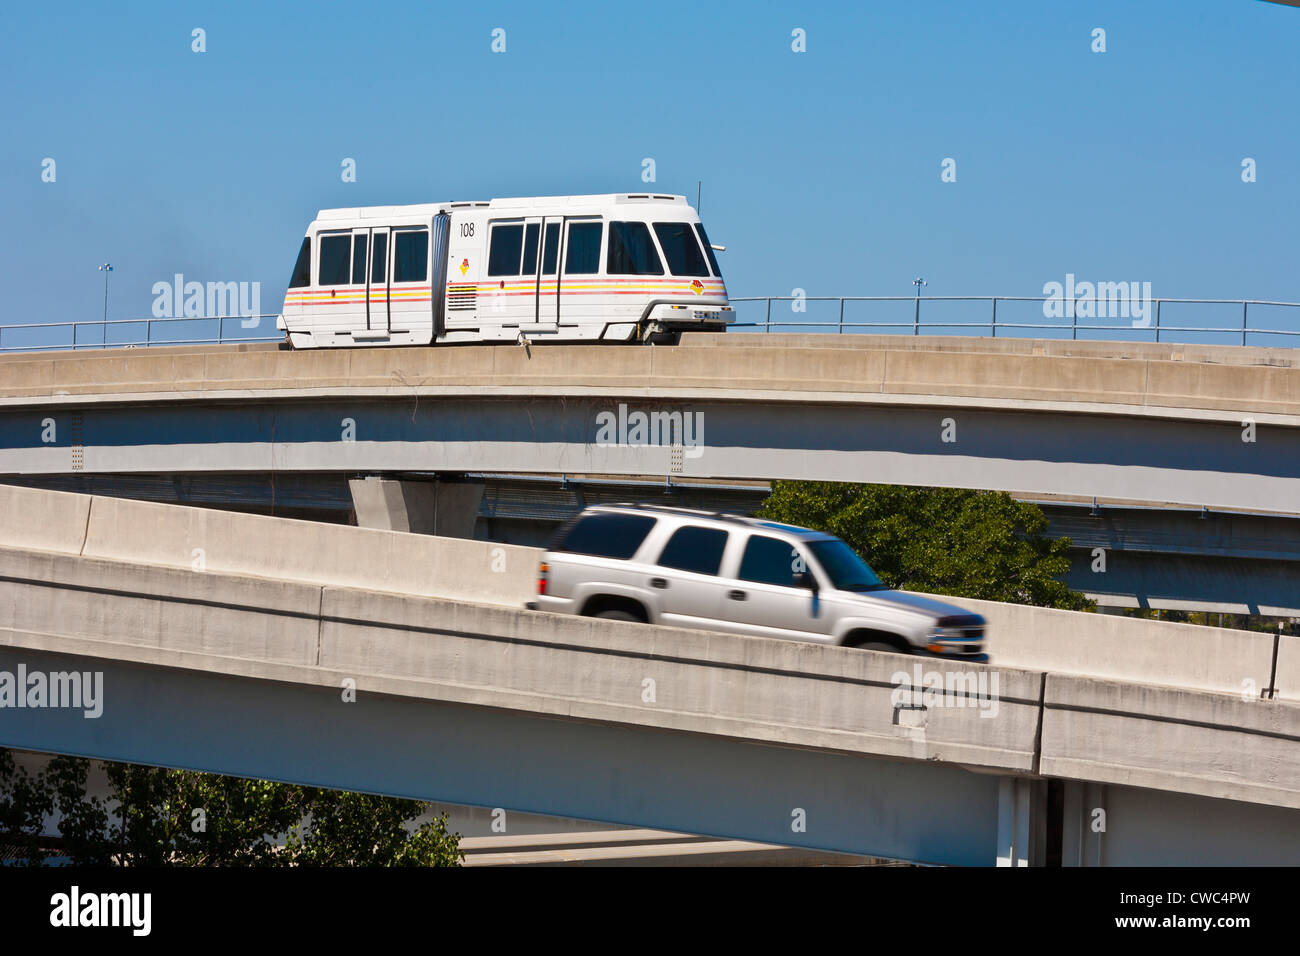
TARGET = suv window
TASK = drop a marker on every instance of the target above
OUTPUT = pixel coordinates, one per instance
(771, 561)
(605, 535)
(694, 549)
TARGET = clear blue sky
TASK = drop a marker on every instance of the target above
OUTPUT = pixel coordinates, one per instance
(821, 170)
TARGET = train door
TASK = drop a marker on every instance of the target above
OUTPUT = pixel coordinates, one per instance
(410, 294)
(577, 283)
(512, 285)
(340, 305)
(377, 287)
(548, 298)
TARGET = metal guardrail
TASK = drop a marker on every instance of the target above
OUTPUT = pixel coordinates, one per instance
(992, 325)
(153, 336)
(151, 328)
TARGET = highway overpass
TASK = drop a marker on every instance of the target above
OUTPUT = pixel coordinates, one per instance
(1200, 425)
(225, 640)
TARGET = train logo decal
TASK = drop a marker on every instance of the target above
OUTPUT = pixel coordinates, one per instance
(697, 287)
(464, 266)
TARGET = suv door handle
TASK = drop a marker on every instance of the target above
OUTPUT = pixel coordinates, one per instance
(658, 583)
(736, 595)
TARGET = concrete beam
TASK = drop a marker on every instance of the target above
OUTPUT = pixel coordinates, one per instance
(445, 508)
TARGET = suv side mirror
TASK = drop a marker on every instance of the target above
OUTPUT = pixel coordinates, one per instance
(805, 579)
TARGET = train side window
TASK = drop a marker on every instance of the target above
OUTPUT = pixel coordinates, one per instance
(358, 259)
(335, 255)
(681, 249)
(632, 251)
(411, 256)
(379, 259)
(530, 248)
(302, 268)
(551, 249)
(582, 252)
(504, 254)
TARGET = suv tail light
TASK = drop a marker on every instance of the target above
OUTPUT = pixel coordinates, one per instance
(543, 570)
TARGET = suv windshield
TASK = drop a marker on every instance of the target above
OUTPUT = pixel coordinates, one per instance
(846, 570)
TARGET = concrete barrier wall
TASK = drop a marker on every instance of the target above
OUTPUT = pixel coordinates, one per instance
(1173, 377)
(127, 530)
(43, 520)
(1104, 645)
(55, 601)
(823, 698)
(1170, 739)
(1149, 351)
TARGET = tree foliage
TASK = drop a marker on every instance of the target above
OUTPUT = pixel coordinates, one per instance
(976, 544)
(158, 817)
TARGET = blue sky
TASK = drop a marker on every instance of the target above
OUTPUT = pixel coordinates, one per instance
(821, 169)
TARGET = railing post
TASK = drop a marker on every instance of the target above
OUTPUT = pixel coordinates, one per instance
(994, 326)
(1244, 305)
(841, 326)
(916, 316)
(221, 324)
(767, 322)
(1157, 321)
(148, 332)
(1074, 317)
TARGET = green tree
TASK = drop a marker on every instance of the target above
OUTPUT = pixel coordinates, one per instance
(158, 817)
(976, 544)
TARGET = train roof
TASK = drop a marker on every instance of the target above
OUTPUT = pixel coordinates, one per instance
(524, 202)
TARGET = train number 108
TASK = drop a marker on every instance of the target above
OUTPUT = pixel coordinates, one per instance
(467, 229)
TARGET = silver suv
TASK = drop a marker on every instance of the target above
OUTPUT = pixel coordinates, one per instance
(743, 575)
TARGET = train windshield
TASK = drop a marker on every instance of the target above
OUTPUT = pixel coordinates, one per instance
(681, 248)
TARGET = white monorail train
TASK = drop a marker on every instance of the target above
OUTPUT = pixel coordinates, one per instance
(623, 268)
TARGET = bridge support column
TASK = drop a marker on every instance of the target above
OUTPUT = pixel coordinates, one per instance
(1022, 822)
(1083, 828)
(443, 508)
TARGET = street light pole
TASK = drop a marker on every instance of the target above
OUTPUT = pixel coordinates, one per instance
(916, 314)
(106, 269)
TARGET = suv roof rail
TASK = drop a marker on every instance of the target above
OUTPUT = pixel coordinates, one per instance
(673, 509)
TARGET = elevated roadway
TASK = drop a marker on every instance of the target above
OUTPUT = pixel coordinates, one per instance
(1200, 425)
